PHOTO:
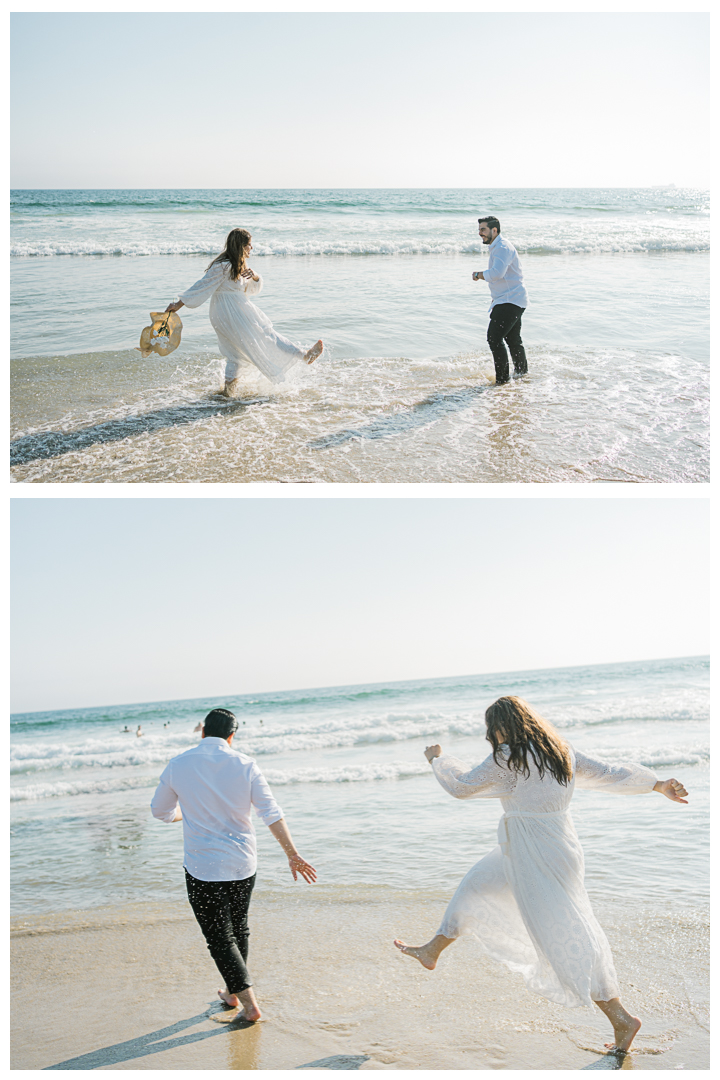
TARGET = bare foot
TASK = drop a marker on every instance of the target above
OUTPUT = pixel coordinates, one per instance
(245, 1001)
(625, 1032)
(312, 354)
(230, 999)
(427, 958)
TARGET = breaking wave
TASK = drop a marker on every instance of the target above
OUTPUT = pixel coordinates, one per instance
(624, 243)
(662, 757)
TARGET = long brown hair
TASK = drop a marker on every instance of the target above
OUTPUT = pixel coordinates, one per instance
(512, 721)
(234, 253)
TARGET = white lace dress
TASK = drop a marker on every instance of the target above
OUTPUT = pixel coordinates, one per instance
(245, 334)
(525, 901)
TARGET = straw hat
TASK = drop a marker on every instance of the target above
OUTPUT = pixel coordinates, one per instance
(163, 337)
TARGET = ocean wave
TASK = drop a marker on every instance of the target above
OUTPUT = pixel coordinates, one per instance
(663, 757)
(103, 753)
(346, 774)
(60, 788)
(590, 245)
(126, 752)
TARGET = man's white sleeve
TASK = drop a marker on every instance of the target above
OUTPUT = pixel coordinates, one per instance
(262, 799)
(164, 801)
(499, 262)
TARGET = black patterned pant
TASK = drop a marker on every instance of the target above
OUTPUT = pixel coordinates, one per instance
(221, 909)
(505, 323)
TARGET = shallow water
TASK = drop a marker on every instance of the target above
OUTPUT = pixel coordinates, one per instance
(616, 334)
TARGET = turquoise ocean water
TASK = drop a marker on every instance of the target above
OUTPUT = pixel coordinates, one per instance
(616, 333)
(346, 764)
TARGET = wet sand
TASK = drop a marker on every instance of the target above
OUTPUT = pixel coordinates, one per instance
(134, 988)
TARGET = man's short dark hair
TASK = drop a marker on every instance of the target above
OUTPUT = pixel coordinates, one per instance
(220, 724)
(491, 222)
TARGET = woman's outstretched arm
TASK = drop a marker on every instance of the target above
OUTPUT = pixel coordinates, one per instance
(627, 779)
(486, 781)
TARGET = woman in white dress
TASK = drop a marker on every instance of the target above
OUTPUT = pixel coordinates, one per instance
(245, 334)
(526, 901)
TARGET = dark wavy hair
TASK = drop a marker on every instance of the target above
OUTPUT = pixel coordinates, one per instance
(512, 721)
(234, 253)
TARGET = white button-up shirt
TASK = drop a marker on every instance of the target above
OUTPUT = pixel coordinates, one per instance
(504, 274)
(216, 786)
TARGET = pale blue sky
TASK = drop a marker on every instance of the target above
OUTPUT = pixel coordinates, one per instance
(125, 600)
(359, 100)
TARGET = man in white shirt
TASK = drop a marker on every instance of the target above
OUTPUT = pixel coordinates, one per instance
(211, 788)
(509, 300)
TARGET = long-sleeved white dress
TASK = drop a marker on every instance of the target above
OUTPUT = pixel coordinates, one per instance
(526, 901)
(244, 332)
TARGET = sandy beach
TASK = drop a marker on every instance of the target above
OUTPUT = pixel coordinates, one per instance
(134, 988)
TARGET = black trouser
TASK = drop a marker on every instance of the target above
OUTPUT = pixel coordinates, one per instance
(221, 908)
(505, 323)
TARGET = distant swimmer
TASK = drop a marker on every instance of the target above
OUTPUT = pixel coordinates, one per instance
(126, 728)
(139, 731)
(198, 727)
(509, 300)
(245, 334)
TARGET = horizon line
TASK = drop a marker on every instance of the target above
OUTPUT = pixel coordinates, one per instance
(384, 187)
(381, 682)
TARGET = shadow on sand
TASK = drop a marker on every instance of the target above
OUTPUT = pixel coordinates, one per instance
(338, 1061)
(416, 416)
(617, 1059)
(154, 1043)
(52, 444)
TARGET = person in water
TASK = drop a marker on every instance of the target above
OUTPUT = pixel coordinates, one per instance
(525, 901)
(245, 334)
(509, 300)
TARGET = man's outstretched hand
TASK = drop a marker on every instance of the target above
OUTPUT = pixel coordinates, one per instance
(298, 866)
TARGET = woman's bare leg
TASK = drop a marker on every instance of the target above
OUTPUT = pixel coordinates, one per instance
(624, 1025)
(312, 354)
(426, 954)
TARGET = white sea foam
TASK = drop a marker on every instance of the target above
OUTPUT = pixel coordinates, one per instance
(125, 751)
(660, 756)
(278, 777)
(62, 788)
(584, 243)
(656, 757)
